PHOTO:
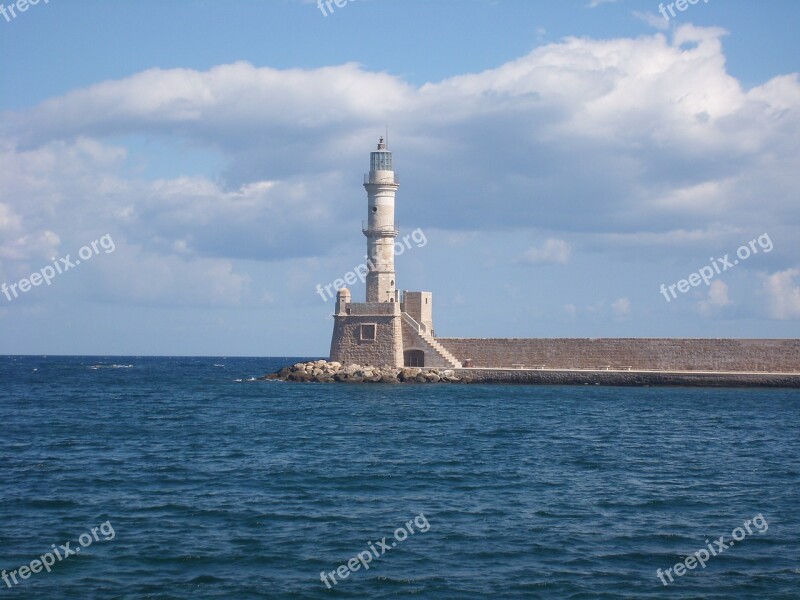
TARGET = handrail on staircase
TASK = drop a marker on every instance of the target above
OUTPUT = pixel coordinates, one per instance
(433, 342)
(420, 327)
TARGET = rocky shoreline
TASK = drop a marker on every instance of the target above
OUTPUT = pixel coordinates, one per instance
(322, 371)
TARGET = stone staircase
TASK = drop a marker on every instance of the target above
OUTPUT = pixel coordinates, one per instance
(443, 352)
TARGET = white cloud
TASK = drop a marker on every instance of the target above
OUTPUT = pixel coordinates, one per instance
(621, 307)
(629, 143)
(140, 276)
(652, 19)
(717, 297)
(783, 294)
(718, 293)
(553, 252)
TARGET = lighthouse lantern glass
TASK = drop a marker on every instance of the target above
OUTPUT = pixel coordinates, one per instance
(381, 161)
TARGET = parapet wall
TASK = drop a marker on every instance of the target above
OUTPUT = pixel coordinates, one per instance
(662, 354)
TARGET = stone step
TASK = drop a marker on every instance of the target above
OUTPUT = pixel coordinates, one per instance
(443, 352)
(435, 346)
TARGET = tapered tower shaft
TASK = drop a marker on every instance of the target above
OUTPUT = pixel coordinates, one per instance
(379, 228)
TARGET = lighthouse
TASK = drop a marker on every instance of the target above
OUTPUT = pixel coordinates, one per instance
(385, 329)
(379, 228)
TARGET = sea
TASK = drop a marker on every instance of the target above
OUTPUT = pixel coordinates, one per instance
(188, 478)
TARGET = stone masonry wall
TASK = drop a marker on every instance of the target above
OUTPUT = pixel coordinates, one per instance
(617, 378)
(386, 349)
(667, 354)
(419, 305)
(413, 341)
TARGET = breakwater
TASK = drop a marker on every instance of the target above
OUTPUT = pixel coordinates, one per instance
(322, 371)
(638, 354)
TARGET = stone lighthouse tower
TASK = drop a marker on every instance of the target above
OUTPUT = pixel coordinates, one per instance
(385, 329)
(381, 186)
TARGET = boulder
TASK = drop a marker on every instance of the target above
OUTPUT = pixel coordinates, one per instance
(300, 376)
(325, 372)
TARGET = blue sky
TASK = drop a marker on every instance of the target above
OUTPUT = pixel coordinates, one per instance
(564, 160)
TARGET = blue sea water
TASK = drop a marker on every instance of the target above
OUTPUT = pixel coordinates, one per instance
(217, 486)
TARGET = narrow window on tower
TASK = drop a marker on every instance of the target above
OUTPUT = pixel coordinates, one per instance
(367, 333)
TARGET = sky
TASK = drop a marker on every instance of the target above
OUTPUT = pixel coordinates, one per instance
(179, 176)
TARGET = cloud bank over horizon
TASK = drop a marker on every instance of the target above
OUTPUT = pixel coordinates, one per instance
(237, 185)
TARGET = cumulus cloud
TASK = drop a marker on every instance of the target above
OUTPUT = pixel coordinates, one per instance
(652, 19)
(16, 244)
(667, 129)
(629, 142)
(621, 307)
(717, 297)
(553, 251)
(783, 294)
